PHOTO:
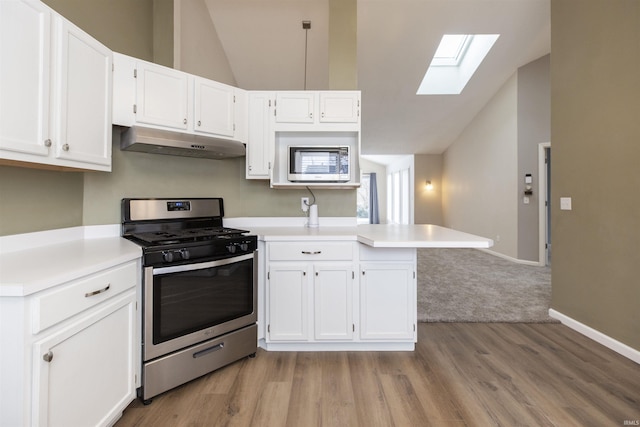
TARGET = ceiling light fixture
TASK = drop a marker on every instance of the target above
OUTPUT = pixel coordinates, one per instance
(306, 26)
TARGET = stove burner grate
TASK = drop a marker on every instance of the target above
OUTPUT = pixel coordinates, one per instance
(187, 235)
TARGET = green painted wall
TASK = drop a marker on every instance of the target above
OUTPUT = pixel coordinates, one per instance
(595, 143)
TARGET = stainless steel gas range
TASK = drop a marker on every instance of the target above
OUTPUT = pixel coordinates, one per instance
(199, 289)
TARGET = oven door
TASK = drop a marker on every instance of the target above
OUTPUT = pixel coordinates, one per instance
(187, 304)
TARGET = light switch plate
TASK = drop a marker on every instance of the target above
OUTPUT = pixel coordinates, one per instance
(565, 203)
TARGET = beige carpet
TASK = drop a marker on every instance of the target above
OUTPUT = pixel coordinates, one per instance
(469, 285)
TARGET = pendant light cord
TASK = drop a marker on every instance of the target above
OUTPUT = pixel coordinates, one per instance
(306, 38)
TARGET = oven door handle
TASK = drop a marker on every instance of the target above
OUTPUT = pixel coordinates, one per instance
(202, 265)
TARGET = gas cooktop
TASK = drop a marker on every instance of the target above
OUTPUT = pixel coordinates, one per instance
(182, 230)
(167, 237)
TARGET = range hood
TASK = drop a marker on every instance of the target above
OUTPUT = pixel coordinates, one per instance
(156, 141)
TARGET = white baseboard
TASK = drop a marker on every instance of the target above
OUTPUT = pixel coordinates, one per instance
(508, 258)
(605, 340)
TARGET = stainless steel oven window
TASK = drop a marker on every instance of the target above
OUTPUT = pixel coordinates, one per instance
(190, 303)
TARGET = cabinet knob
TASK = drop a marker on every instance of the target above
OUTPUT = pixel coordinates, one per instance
(65, 147)
(184, 121)
(198, 123)
(47, 142)
(48, 356)
(311, 115)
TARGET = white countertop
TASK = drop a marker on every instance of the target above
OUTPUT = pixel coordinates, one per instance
(32, 262)
(374, 235)
(27, 265)
(418, 236)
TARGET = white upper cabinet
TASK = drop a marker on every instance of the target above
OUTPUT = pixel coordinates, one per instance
(318, 110)
(296, 107)
(83, 97)
(55, 81)
(152, 95)
(261, 139)
(162, 96)
(25, 31)
(283, 118)
(214, 107)
(339, 107)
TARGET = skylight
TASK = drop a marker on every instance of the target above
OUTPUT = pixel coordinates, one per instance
(451, 49)
(457, 58)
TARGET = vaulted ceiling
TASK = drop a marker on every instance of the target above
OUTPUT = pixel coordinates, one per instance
(396, 39)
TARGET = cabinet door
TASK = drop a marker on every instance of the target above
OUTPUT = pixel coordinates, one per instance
(25, 29)
(213, 107)
(339, 107)
(288, 302)
(261, 138)
(161, 96)
(82, 96)
(84, 374)
(387, 301)
(295, 107)
(333, 301)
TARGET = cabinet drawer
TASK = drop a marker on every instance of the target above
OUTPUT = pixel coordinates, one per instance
(81, 294)
(311, 251)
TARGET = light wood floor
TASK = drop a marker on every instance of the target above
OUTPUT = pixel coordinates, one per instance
(459, 375)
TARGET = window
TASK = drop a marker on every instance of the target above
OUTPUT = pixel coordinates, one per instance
(451, 50)
(363, 204)
(398, 197)
(457, 58)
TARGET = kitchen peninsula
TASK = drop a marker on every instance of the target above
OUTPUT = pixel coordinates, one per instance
(342, 287)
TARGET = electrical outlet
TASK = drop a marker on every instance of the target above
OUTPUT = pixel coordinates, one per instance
(304, 204)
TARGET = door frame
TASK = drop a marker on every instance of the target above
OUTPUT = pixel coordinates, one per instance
(543, 224)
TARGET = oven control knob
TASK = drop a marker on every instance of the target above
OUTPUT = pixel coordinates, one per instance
(244, 246)
(231, 249)
(184, 253)
(167, 256)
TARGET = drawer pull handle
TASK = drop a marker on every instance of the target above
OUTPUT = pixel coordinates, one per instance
(208, 350)
(311, 253)
(99, 291)
(48, 356)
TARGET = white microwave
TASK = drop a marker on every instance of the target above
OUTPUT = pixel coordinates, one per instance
(319, 163)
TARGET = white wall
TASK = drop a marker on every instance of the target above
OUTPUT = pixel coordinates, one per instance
(480, 191)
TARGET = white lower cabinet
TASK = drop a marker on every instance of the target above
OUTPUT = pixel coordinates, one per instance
(315, 300)
(333, 301)
(310, 291)
(387, 301)
(288, 302)
(71, 356)
(84, 374)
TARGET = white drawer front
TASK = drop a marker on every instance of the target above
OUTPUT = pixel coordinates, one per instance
(68, 300)
(311, 251)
